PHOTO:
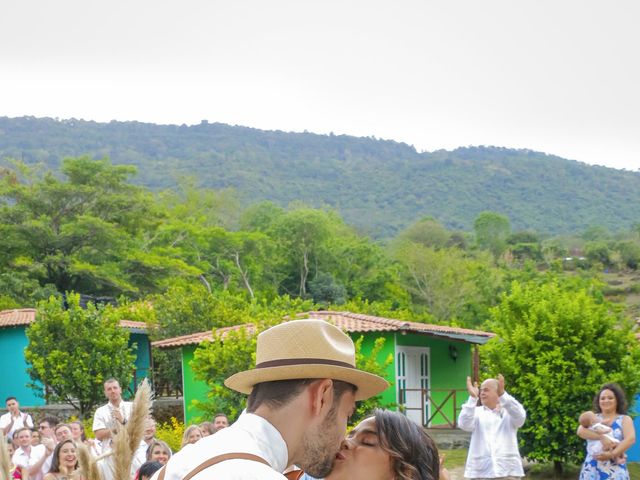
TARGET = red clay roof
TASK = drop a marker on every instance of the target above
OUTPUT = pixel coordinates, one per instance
(198, 338)
(349, 322)
(18, 316)
(26, 316)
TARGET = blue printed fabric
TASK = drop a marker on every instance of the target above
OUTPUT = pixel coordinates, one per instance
(607, 470)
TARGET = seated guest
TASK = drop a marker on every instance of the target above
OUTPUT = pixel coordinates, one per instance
(30, 459)
(64, 465)
(158, 451)
(148, 469)
(191, 435)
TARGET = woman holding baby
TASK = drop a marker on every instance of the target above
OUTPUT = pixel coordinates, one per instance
(609, 433)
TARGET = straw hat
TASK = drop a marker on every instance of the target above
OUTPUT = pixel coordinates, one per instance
(306, 349)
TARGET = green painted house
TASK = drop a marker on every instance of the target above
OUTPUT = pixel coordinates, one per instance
(13, 340)
(427, 375)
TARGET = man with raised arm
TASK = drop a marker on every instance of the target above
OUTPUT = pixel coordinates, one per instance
(14, 419)
(493, 451)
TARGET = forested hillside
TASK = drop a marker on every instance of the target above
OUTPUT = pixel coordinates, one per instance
(378, 186)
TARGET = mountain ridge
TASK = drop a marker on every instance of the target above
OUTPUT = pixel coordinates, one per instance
(379, 186)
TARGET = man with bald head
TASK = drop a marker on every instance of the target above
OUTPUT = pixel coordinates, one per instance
(493, 421)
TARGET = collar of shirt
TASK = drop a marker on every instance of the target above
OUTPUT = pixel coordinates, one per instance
(267, 437)
(496, 411)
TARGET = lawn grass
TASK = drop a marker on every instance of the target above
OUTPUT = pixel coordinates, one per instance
(456, 459)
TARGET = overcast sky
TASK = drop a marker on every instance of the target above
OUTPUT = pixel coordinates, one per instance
(558, 76)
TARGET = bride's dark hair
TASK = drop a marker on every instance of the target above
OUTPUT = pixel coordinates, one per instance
(414, 454)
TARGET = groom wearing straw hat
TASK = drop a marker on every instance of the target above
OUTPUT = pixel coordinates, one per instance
(301, 394)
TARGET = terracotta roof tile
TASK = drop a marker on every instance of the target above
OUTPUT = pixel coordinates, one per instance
(197, 338)
(349, 322)
(16, 317)
(26, 316)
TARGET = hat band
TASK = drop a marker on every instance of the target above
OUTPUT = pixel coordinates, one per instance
(303, 361)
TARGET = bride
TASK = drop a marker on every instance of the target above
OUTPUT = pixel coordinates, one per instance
(386, 446)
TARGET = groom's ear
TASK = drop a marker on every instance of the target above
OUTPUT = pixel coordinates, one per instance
(321, 396)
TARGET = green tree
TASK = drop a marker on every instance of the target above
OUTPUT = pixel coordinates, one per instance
(492, 231)
(301, 236)
(73, 350)
(556, 344)
(83, 232)
(428, 232)
(442, 280)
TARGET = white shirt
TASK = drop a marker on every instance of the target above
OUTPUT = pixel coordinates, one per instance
(23, 459)
(23, 420)
(493, 451)
(249, 434)
(139, 457)
(104, 419)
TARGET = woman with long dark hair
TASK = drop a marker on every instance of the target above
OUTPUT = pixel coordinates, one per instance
(610, 406)
(386, 446)
(64, 464)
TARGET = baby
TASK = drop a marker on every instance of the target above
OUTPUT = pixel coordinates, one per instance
(594, 447)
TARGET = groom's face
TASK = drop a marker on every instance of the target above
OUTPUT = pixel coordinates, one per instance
(323, 442)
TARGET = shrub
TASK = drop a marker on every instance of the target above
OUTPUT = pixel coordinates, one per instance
(171, 432)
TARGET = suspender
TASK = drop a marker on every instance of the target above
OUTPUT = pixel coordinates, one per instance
(214, 460)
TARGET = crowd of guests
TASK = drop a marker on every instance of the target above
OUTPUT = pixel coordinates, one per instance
(296, 424)
(47, 449)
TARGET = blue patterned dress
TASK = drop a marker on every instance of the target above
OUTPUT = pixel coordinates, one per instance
(607, 470)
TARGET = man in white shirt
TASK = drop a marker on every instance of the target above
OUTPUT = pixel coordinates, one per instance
(140, 455)
(31, 458)
(108, 418)
(14, 419)
(493, 451)
(301, 394)
(220, 421)
(46, 428)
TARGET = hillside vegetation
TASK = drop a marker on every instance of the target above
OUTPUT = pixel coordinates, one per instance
(379, 186)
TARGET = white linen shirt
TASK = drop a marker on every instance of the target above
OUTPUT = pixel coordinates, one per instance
(249, 434)
(23, 459)
(493, 451)
(23, 420)
(103, 419)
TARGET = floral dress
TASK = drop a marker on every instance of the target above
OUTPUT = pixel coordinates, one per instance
(592, 469)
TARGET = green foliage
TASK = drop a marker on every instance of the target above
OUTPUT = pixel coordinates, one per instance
(557, 343)
(73, 350)
(379, 186)
(80, 233)
(492, 231)
(171, 432)
(428, 232)
(214, 361)
(369, 363)
(452, 286)
(598, 253)
(325, 290)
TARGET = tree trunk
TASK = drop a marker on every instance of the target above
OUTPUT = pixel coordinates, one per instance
(243, 274)
(304, 273)
(558, 467)
(205, 283)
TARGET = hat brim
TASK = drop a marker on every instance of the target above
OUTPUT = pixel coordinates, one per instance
(368, 384)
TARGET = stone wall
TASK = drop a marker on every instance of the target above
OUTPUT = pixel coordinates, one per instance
(163, 409)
